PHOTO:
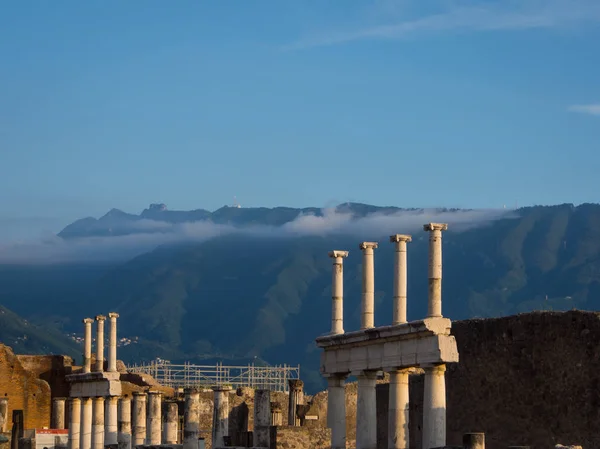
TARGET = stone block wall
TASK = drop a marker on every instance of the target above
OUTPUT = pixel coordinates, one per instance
(52, 369)
(285, 437)
(25, 391)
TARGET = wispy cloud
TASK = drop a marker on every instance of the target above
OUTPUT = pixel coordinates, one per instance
(462, 15)
(152, 234)
(591, 109)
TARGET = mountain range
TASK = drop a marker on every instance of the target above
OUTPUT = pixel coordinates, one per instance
(243, 284)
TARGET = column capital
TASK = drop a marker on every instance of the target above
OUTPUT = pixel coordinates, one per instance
(190, 390)
(154, 392)
(221, 388)
(434, 369)
(367, 374)
(100, 318)
(337, 253)
(295, 384)
(368, 245)
(59, 399)
(87, 320)
(139, 394)
(113, 315)
(435, 227)
(396, 238)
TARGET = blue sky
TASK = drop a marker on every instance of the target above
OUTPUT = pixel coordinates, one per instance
(304, 103)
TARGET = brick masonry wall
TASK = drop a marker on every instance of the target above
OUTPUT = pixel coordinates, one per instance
(24, 391)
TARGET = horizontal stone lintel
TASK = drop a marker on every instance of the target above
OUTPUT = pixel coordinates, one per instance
(93, 377)
(406, 331)
(386, 355)
(97, 388)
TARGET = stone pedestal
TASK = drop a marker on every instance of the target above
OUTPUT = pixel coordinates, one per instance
(124, 424)
(112, 342)
(191, 419)
(111, 429)
(75, 423)
(220, 428)
(398, 434)
(434, 407)
(85, 435)
(262, 418)
(170, 422)
(154, 421)
(98, 423)
(139, 418)
(400, 277)
(367, 316)
(100, 343)
(58, 413)
(474, 441)
(336, 411)
(337, 292)
(296, 398)
(366, 411)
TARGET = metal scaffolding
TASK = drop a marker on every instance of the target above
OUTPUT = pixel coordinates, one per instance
(274, 378)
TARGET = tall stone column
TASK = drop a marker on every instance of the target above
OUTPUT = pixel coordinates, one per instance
(434, 308)
(154, 421)
(367, 315)
(139, 418)
(337, 292)
(191, 418)
(400, 277)
(85, 431)
(220, 426)
(75, 423)
(398, 411)
(112, 342)
(58, 413)
(366, 411)
(100, 343)
(170, 422)
(87, 345)
(124, 423)
(434, 407)
(98, 423)
(111, 419)
(262, 418)
(336, 410)
(3, 414)
(296, 398)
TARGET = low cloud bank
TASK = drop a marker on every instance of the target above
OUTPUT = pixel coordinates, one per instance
(149, 234)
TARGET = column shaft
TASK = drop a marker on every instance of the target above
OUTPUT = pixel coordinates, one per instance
(296, 397)
(85, 431)
(98, 423)
(75, 423)
(170, 422)
(262, 418)
(112, 342)
(3, 414)
(111, 429)
(100, 343)
(337, 292)
(366, 411)
(87, 345)
(367, 316)
(398, 410)
(58, 413)
(139, 419)
(191, 419)
(434, 308)
(434, 407)
(154, 421)
(220, 428)
(336, 411)
(400, 278)
(124, 424)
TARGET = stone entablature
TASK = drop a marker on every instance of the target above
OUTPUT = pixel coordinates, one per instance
(387, 348)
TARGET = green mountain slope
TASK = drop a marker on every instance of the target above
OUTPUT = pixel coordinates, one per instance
(238, 297)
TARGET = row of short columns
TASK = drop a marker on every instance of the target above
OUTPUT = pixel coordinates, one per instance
(112, 343)
(434, 407)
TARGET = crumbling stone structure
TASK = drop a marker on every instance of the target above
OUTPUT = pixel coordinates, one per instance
(395, 349)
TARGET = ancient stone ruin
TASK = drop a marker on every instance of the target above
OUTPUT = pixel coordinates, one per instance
(394, 349)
